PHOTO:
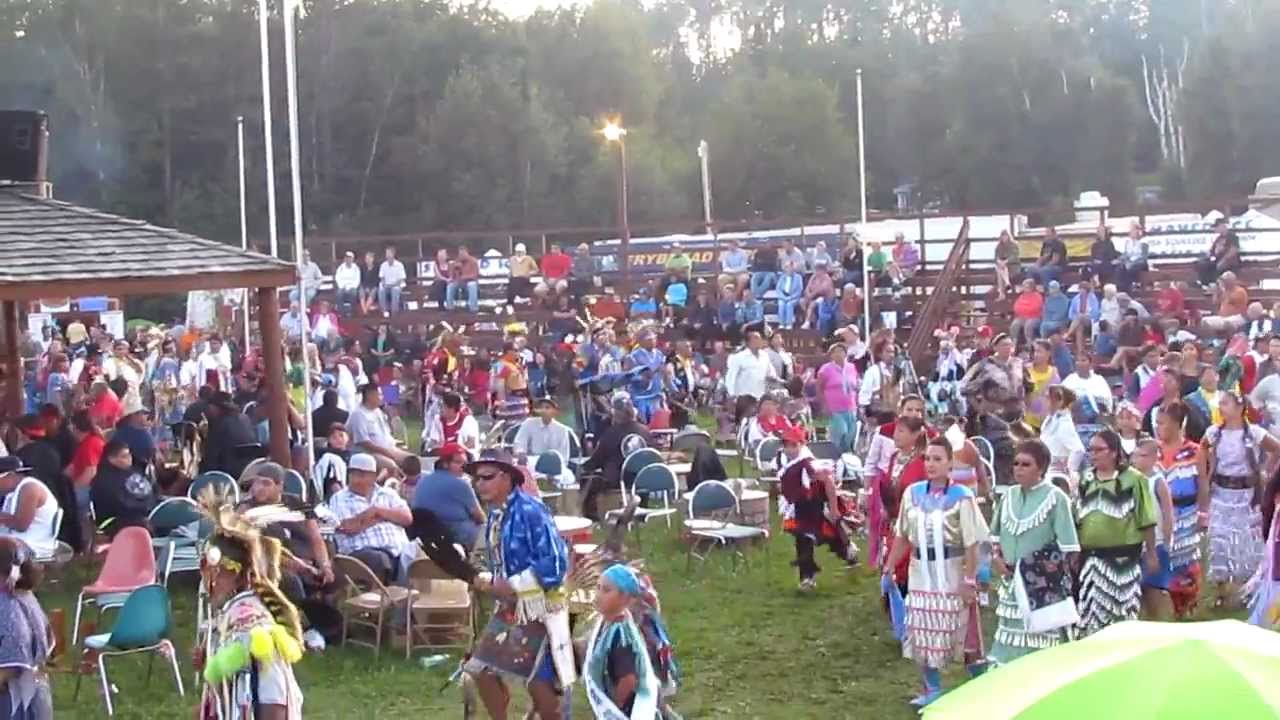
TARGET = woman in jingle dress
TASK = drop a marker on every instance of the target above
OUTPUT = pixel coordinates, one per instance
(628, 671)
(1033, 523)
(1116, 518)
(940, 528)
(1180, 462)
(1232, 458)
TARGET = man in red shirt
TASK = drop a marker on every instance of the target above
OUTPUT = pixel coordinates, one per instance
(556, 266)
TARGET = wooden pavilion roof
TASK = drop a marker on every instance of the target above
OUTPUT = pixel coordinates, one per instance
(50, 248)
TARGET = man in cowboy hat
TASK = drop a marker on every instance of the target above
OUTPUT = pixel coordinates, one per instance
(528, 636)
(134, 429)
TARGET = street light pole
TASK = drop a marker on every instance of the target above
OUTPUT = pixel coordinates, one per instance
(613, 132)
(862, 197)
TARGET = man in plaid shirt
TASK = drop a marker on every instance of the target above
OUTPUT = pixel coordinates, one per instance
(371, 519)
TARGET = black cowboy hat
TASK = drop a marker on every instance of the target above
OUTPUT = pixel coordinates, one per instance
(500, 458)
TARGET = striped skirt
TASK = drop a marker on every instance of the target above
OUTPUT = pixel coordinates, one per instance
(1235, 535)
(940, 628)
(1110, 588)
(1012, 640)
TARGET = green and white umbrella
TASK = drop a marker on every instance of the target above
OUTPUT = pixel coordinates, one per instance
(1135, 671)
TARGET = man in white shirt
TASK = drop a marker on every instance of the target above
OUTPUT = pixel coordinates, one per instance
(391, 277)
(313, 276)
(371, 519)
(370, 431)
(453, 424)
(1085, 382)
(213, 368)
(748, 373)
(292, 323)
(544, 433)
(346, 281)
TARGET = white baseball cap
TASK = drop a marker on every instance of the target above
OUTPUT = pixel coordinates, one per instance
(363, 462)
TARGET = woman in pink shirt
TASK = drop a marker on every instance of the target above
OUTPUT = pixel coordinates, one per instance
(838, 383)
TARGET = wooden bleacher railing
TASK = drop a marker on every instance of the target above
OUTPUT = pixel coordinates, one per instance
(935, 307)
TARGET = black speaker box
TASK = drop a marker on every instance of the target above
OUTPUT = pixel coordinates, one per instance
(24, 144)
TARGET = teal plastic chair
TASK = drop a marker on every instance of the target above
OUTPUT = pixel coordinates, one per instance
(294, 484)
(143, 625)
(221, 481)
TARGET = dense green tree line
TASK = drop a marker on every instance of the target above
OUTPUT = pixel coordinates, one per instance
(423, 114)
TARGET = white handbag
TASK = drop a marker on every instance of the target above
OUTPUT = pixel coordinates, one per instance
(1048, 618)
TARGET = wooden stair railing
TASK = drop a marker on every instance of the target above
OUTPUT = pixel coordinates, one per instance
(935, 306)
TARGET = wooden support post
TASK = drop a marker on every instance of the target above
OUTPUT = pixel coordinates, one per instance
(13, 402)
(273, 380)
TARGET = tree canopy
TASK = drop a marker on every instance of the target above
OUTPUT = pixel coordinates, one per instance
(423, 114)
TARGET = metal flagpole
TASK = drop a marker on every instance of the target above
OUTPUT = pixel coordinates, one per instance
(862, 194)
(244, 222)
(704, 156)
(295, 175)
(264, 41)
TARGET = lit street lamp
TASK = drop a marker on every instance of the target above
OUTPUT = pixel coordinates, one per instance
(613, 132)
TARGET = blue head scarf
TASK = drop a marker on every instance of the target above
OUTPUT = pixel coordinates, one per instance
(623, 578)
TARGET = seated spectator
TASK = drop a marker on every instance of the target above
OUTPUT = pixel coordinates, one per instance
(1086, 383)
(306, 575)
(1110, 306)
(28, 508)
(371, 431)
(449, 497)
(134, 429)
(675, 296)
(1171, 303)
(121, 496)
(825, 313)
(584, 273)
(1133, 259)
(369, 283)
(1223, 256)
(701, 319)
(325, 416)
(1052, 260)
(790, 290)
(727, 309)
(556, 267)
(1056, 314)
(346, 283)
(1127, 303)
(790, 255)
(643, 306)
(292, 324)
(326, 332)
(1131, 336)
(1233, 302)
(391, 281)
(444, 275)
(750, 311)
(230, 433)
(1028, 309)
(1060, 354)
(1008, 264)
(849, 309)
(371, 519)
(543, 433)
(608, 455)
(382, 352)
(1259, 323)
(523, 268)
(330, 470)
(851, 262)
(453, 425)
(1105, 341)
(735, 266)
(1084, 312)
(767, 422)
(905, 263)
(877, 263)
(312, 276)
(1103, 257)
(679, 265)
(820, 286)
(818, 255)
(564, 319)
(466, 275)
(764, 270)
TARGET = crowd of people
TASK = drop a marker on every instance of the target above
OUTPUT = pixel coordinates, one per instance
(1072, 465)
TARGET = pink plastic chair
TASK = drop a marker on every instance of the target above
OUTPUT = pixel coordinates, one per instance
(130, 564)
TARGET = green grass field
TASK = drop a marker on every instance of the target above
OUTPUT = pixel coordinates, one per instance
(750, 645)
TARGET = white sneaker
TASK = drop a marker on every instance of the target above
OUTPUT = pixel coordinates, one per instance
(313, 640)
